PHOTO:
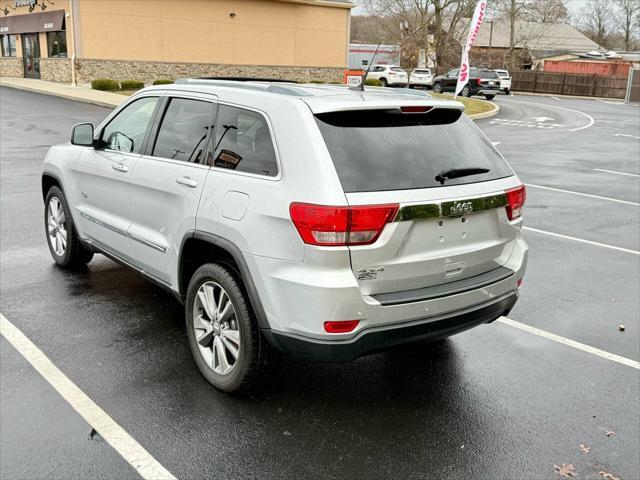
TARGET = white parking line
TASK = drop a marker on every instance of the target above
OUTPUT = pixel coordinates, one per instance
(581, 240)
(147, 466)
(599, 197)
(571, 343)
(619, 173)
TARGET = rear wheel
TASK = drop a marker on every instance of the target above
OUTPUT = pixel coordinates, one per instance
(437, 87)
(64, 243)
(223, 333)
(383, 82)
(489, 97)
(466, 91)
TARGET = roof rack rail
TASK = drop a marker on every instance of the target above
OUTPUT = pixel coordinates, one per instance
(249, 79)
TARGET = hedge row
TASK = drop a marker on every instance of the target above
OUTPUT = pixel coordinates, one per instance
(107, 84)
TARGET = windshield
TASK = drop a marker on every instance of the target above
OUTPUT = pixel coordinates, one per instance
(422, 71)
(386, 150)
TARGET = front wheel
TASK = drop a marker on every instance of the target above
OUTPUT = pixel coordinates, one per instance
(383, 82)
(223, 333)
(466, 91)
(62, 238)
(437, 87)
(489, 97)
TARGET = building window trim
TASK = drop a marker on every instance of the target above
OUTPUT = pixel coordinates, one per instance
(57, 44)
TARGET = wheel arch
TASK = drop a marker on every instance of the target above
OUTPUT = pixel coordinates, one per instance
(198, 248)
(49, 180)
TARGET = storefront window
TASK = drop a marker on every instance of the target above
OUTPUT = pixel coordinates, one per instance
(57, 43)
(8, 45)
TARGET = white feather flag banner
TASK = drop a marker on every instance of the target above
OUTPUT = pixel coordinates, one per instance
(476, 22)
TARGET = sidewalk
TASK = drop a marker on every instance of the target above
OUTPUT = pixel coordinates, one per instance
(79, 94)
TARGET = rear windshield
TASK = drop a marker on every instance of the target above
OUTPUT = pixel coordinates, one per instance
(421, 71)
(502, 73)
(486, 74)
(386, 150)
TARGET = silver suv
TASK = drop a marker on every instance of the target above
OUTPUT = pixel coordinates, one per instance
(314, 220)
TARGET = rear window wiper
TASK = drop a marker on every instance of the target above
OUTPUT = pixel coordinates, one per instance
(459, 172)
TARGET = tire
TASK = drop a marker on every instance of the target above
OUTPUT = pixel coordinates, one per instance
(489, 97)
(384, 82)
(466, 91)
(212, 348)
(62, 238)
(507, 91)
(437, 87)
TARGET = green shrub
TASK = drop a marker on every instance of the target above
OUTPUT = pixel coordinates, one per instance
(316, 81)
(372, 82)
(131, 85)
(105, 84)
(163, 81)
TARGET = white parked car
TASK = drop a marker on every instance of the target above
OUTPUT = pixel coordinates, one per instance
(320, 221)
(505, 80)
(421, 77)
(389, 75)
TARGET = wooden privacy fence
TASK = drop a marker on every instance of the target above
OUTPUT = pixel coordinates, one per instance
(569, 84)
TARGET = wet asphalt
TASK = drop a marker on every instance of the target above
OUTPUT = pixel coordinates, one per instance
(491, 403)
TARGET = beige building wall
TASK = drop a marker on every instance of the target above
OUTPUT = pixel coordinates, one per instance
(245, 32)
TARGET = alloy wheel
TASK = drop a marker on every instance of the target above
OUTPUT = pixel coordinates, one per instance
(216, 328)
(56, 226)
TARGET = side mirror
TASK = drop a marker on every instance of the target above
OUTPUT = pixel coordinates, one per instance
(82, 135)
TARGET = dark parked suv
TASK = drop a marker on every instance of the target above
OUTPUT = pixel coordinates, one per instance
(481, 82)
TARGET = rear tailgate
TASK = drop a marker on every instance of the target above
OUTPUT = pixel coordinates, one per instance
(443, 231)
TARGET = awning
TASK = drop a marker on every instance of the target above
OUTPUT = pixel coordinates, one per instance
(32, 22)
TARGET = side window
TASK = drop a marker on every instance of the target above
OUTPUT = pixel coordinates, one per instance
(243, 142)
(125, 133)
(184, 129)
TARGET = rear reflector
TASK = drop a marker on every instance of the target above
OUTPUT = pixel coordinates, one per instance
(341, 326)
(415, 109)
(340, 226)
(515, 201)
(519, 282)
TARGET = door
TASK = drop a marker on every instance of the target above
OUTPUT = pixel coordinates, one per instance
(451, 80)
(31, 55)
(166, 184)
(102, 177)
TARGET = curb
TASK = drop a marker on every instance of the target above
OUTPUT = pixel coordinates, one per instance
(99, 103)
(577, 97)
(491, 113)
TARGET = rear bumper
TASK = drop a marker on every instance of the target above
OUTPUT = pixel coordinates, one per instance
(488, 91)
(381, 338)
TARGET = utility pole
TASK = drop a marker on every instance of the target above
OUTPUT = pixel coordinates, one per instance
(490, 40)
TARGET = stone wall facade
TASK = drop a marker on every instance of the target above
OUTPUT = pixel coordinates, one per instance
(55, 69)
(11, 67)
(88, 70)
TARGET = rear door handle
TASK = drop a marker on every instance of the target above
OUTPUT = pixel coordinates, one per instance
(121, 167)
(187, 181)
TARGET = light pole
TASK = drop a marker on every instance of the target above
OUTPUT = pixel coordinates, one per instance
(490, 40)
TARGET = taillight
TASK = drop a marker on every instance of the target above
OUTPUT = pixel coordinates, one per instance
(515, 201)
(341, 326)
(478, 81)
(339, 226)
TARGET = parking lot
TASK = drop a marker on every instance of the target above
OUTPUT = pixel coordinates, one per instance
(502, 401)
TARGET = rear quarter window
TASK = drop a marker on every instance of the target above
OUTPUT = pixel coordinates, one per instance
(385, 150)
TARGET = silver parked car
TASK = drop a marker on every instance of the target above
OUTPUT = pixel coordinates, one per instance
(314, 220)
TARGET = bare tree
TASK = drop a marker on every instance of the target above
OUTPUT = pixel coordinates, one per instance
(597, 19)
(628, 20)
(548, 11)
(513, 10)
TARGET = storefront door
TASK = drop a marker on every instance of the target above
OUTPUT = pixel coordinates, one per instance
(31, 55)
